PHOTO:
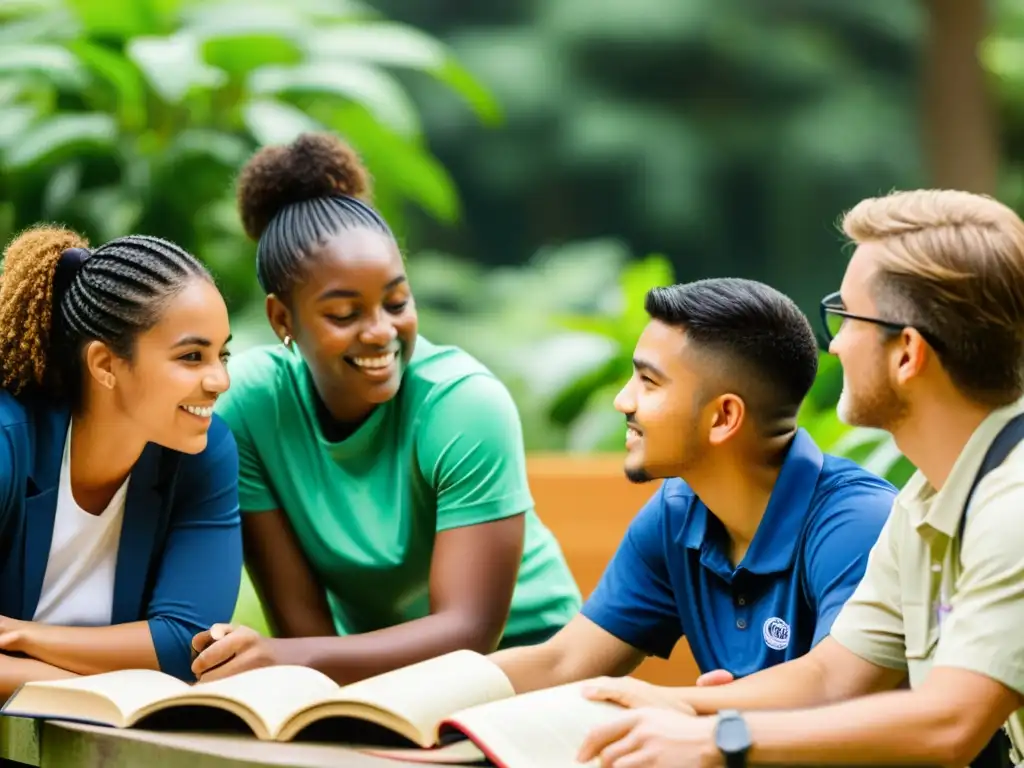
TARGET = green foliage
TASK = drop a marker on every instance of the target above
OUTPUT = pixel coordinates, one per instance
(727, 134)
(1003, 56)
(622, 328)
(135, 115)
(249, 609)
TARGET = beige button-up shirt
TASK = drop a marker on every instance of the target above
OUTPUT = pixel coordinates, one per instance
(929, 598)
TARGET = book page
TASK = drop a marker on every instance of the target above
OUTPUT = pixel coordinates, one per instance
(128, 689)
(425, 693)
(540, 729)
(274, 693)
(459, 753)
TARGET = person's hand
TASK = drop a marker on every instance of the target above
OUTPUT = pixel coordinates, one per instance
(633, 693)
(14, 634)
(224, 650)
(715, 677)
(653, 738)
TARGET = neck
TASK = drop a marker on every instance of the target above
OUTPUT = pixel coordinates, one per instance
(339, 414)
(736, 490)
(104, 448)
(934, 433)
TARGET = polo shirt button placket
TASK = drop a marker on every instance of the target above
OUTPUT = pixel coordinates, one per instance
(742, 609)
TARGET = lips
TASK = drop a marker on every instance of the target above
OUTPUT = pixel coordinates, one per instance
(633, 435)
(377, 368)
(373, 362)
(202, 411)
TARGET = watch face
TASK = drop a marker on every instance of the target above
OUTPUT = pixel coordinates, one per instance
(733, 735)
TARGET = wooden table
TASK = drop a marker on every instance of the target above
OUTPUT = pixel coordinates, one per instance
(53, 744)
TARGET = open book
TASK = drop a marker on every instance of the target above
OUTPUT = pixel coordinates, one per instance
(429, 705)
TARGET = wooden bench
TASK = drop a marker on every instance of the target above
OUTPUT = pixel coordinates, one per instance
(588, 504)
(53, 744)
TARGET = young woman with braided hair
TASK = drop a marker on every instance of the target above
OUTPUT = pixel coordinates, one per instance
(119, 524)
(387, 516)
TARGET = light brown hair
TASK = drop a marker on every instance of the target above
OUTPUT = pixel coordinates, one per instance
(952, 263)
(26, 303)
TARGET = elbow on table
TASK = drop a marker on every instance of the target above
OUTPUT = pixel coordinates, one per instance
(172, 643)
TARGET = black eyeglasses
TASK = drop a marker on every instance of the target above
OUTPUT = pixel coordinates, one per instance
(834, 314)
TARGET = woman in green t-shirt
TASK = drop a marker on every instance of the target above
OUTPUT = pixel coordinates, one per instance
(386, 512)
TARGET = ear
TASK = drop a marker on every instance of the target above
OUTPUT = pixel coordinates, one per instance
(280, 317)
(99, 363)
(728, 413)
(910, 356)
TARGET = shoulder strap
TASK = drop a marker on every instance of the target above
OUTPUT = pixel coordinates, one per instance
(1009, 436)
(996, 753)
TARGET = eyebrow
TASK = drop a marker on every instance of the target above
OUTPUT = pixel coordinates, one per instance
(643, 365)
(348, 293)
(198, 341)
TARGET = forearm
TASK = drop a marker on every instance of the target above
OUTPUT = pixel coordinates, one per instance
(91, 650)
(17, 671)
(546, 665)
(355, 657)
(533, 667)
(893, 728)
(794, 685)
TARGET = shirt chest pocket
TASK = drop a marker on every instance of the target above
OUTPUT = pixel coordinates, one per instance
(920, 630)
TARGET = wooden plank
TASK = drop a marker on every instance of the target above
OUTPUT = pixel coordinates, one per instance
(85, 746)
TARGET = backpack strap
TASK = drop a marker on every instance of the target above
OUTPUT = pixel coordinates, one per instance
(996, 753)
(1009, 436)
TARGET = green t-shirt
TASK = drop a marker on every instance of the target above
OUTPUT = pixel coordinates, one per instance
(446, 452)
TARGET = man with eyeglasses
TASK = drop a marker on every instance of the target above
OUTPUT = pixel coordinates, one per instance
(929, 327)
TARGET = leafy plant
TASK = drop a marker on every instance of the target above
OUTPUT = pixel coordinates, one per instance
(585, 404)
(126, 115)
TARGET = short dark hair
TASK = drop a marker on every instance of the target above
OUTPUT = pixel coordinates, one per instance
(292, 198)
(768, 346)
(110, 294)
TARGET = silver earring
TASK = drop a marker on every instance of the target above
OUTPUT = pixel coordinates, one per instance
(287, 340)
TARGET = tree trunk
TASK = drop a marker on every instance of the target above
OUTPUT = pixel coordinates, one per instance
(960, 135)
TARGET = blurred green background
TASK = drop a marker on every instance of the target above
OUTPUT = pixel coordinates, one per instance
(544, 162)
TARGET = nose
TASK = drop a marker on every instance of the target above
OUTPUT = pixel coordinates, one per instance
(379, 331)
(625, 403)
(217, 380)
(833, 346)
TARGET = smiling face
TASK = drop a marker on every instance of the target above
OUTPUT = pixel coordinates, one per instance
(353, 318)
(661, 406)
(176, 371)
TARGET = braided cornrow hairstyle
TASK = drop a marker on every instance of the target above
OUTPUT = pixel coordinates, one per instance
(118, 292)
(292, 198)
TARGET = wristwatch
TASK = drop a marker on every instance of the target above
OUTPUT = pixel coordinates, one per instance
(732, 738)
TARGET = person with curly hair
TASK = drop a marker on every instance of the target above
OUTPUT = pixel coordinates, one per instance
(111, 360)
(387, 516)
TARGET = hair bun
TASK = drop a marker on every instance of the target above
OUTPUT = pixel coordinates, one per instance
(313, 165)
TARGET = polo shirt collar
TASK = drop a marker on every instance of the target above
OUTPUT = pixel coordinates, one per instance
(942, 510)
(774, 545)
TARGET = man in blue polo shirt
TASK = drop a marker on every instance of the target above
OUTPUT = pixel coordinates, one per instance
(755, 540)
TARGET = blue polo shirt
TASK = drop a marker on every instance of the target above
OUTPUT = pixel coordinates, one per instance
(671, 576)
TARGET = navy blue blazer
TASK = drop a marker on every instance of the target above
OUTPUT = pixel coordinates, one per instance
(179, 563)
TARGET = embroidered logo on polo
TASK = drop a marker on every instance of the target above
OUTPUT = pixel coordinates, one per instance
(776, 633)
